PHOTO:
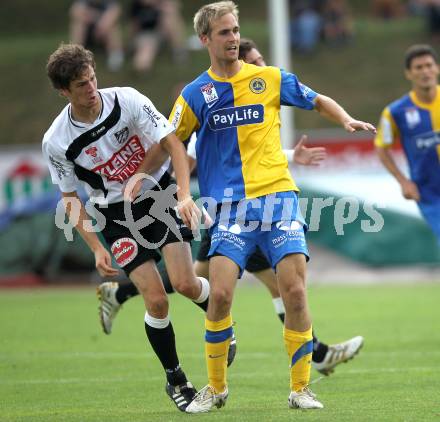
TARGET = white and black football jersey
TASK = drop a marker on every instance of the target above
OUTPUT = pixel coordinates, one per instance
(105, 154)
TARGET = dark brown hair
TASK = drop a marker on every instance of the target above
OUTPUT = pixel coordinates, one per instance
(67, 63)
(246, 45)
(419, 50)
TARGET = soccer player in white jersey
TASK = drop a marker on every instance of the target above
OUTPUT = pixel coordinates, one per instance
(98, 141)
(234, 107)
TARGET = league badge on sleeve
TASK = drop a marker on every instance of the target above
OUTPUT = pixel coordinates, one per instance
(209, 93)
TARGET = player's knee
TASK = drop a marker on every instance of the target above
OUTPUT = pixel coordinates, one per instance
(186, 285)
(158, 304)
(221, 296)
(295, 297)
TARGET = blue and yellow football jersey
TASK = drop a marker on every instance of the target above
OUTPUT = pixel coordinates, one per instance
(238, 129)
(418, 126)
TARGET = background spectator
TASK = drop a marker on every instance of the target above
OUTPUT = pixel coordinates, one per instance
(306, 24)
(337, 22)
(152, 21)
(388, 9)
(95, 23)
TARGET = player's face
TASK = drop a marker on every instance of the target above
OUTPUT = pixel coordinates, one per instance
(82, 91)
(255, 57)
(423, 72)
(224, 40)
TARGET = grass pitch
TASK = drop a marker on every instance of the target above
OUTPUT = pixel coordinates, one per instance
(57, 365)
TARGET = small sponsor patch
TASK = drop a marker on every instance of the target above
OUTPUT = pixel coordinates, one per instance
(412, 117)
(257, 85)
(209, 93)
(92, 152)
(288, 225)
(124, 250)
(177, 114)
(122, 135)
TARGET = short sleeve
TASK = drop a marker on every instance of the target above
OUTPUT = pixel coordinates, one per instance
(61, 170)
(183, 119)
(387, 131)
(294, 93)
(147, 118)
(191, 150)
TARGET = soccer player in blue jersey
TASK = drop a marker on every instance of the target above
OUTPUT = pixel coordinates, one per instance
(415, 120)
(234, 109)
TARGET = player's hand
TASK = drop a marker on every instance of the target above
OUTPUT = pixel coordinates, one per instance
(355, 125)
(410, 190)
(188, 212)
(308, 156)
(103, 263)
(131, 195)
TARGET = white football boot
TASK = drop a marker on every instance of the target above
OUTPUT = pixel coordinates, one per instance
(339, 353)
(206, 399)
(109, 306)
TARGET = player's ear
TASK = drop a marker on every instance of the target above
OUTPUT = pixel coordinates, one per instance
(63, 92)
(204, 39)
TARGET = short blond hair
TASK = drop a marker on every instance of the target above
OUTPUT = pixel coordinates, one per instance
(210, 12)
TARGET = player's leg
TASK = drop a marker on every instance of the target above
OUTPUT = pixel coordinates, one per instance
(284, 244)
(259, 266)
(201, 267)
(223, 274)
(160, 333)
(179, 265)
(112, 294)
(298, 338)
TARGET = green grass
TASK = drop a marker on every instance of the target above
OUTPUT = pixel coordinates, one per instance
(56, 365)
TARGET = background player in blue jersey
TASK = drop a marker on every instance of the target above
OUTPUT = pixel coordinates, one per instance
(415, 120)
(234, 109)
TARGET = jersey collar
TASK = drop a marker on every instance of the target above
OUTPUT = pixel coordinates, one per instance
(435, 104)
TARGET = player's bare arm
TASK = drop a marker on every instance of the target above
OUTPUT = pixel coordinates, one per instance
(103, 261)
(186, 206)
(408, 187)
(330, 109)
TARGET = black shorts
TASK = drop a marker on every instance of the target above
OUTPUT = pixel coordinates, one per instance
(256, 262)
(132, 247)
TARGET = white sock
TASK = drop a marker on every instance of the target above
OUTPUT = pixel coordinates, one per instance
(204, 294)
(158, 323)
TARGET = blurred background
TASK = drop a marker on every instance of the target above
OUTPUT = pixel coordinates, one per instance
(350, 50)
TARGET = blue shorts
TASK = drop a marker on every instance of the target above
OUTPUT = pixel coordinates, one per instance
(273, 222)
(431, 213)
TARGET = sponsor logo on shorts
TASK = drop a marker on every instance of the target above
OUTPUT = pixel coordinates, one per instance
(124, 250)
(288, 225)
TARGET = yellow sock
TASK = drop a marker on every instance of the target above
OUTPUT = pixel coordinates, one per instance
(218, 336)
(299, 346)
